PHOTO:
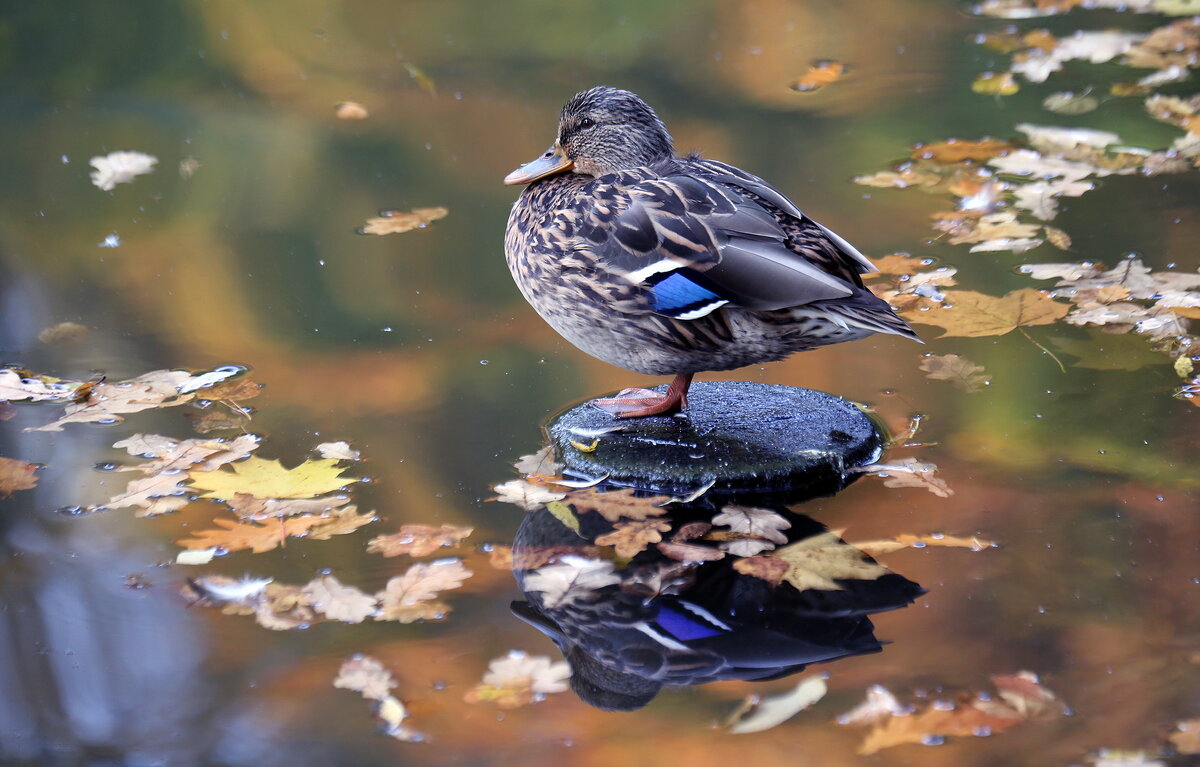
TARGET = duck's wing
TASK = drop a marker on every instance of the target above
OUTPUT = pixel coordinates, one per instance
(684, 244)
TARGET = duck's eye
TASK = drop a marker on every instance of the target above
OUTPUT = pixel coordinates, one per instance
(587, 122)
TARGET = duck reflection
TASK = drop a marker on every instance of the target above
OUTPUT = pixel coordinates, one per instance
(719, 591)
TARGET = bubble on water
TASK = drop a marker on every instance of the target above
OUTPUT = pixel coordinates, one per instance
(483, 362)
(111, 241)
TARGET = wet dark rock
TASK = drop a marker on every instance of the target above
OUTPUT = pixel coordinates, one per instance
(744, 437)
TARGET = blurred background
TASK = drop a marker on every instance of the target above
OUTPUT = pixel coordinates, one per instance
(417, 348)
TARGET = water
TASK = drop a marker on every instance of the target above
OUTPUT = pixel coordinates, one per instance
(240, 249)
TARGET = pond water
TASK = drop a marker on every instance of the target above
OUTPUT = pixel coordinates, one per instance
(1078, 458)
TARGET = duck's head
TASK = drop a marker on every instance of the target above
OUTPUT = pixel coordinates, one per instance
(601, 130)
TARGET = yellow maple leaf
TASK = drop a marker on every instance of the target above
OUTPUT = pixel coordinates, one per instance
(267, 478)
(971, 314)
(819, 561)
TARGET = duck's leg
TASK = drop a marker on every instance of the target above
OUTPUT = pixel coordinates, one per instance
(636, 403)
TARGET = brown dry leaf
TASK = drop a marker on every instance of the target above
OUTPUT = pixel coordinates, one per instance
(337, 601)
(351, 110)
(341, 522)
(108, 402)
(365, 675)
(690, 552)
(16, 475)
(267, 478)
(570, 579)
(541, 463)
(995, 84)
(756, 715)
(282, 607)
(880, 704)
(969, 314)
(248, 506)
(630, 537)
(959, 371)
(900, 264)
(757, 523)
(616, 504)
(395, 221)
(1186, 737)
(418, 540)
(257, 538)
(217, 419)
(7, 410)
(16, 386)
(769, 569)
(957, 150)
(233, 390)
(1021, 698)
(1057, 237)
(819, 561)
(64, 333)
(909, 472)
(820, 74)
(410, 597)
(900, 179)
(528, 495)
(923, 541)
(152, 495)
(177, 455)
(518, 679)
(965, 228)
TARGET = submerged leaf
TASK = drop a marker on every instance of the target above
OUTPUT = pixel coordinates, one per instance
(959, 371)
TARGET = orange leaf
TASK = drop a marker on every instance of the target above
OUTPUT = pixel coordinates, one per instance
(969, 314)
(257, 538)
(631, 537)
(417, 540)
(616, 504)
(819, 75)
(16, 475)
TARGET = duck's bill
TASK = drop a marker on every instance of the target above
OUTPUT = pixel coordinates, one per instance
(553, 161)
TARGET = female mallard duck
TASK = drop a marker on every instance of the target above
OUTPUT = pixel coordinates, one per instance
(675, 265)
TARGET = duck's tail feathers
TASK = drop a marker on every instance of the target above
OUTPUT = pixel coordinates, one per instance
(867, 312)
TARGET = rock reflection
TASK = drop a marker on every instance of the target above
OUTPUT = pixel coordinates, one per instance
(690, 608)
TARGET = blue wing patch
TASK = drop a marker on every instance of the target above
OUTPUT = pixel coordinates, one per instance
(677, 296)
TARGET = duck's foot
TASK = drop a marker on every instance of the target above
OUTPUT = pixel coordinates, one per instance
(638, 403)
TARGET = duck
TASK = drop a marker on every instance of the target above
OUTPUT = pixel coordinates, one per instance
(675, 265)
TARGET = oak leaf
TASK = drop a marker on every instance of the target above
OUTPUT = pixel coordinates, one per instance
(267, 478)
(910, 472)
(338, 451)
(120, 168)
(970, 314)
(109, 402)
(758, 523)
(1186, 737)
(879, 705)
(528, 495)
(156, 494)
(819, 561)
(518, 679)
(959, 371)
(616, 504)
(16, 475)
(16, 387)
(337, 601)
(630, 537)
(340, 522)
(570, 579)
(365, 675)
(410, 597)
(257, 538)
(196, 454)
(541, 463)
(418, 540)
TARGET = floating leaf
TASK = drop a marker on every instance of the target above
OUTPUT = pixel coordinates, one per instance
(418, 540)
(341, 522)
(108, 402)
(880, 704)
(120, 168)
(616, 504)
(923, 541)
(630, 537)
(518, 679)
(351, 110)
(959, 371)
(267, 478)
(1107, 351)
(819, 75)
(1070, 103)
(249, 506)
(337, 601)
(995, 84)
(970, 314)
(235, 536)
(366, 675)
(959, 150)
(909, 472)
(569, 580)
(395, 221)
(562, 512)
(16, 475)
(528, 495)
(541, 463)
(178, 455)
(769, 569)
(777, 709)
(338, 451)
(411, 596)
(819, 561)
(1186, 737)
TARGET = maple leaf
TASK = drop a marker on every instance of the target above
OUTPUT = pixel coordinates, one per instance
(395, 221)
(817, 562)
(922, 541)
(526, 494)
(631, 537)
(616, 504)
(518, 679)
(570, 579)
(408, 597)
(337, 601)
(418, 540)
(265, 478)
(909, 472)
(120, 168)
(365, 675)
(759, 523)
(16, 475)
(820, 74)
(195, 454)
(970, 314)
(257, 538)
(959, 371)
(340, 522)
(108, 402)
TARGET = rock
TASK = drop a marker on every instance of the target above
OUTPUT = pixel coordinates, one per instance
(742, 437)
